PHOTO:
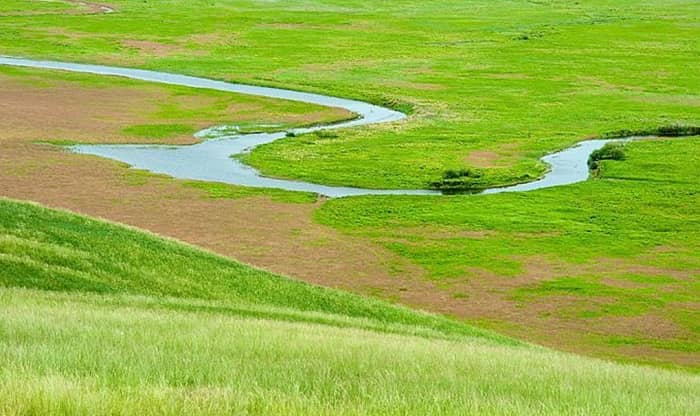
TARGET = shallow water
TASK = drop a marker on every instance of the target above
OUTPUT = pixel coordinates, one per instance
(566, 167)
(210, 160)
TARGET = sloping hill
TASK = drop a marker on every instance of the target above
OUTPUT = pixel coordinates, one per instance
(101, 319)
(52, 250)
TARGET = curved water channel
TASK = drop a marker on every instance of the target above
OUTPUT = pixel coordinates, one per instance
(211, 160)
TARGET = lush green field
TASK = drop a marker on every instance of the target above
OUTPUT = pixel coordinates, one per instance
(98, 319)
(622, 247)
(493, 85)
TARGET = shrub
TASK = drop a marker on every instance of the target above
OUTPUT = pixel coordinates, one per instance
(678, 130)
(673, 130)
(611, 151)
(460, 181)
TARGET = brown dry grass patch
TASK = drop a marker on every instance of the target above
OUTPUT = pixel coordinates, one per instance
(38, 108)
(280, 237)
(70, 112)
(503, 156)
(555, 320)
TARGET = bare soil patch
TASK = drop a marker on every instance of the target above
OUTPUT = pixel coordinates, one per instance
(91, 7)
(502, 157)
(69, 112)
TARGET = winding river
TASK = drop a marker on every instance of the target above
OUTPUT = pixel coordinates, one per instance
(211, 159)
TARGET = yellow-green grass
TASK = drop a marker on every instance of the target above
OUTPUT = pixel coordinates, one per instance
(11, 7)
(513, 79)
(92, 354)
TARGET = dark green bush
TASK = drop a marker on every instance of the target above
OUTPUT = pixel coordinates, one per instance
(611, 151)
(460, 181)
(673, 130)
(679, 130)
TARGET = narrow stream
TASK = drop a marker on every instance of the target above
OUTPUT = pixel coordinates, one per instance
(211, 160)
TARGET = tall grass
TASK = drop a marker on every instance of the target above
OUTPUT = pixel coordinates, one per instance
(460, 181)
(91, 354)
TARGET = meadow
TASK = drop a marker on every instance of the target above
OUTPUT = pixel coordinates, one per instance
(610, 265)
(608, 268)
(485, 90)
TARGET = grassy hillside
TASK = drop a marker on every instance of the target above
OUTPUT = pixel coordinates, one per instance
(97, 318)
(57, 251)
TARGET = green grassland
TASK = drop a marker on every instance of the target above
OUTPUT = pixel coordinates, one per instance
(101, 319)
(642, 212)
(226, 191)
(516, 79)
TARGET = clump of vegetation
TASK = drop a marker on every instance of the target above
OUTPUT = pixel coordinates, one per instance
(325, 134)
(460, 181)
(530, 35)
(290, 134)
(395, 104)
(611, 151)
(673, 130)
(677, 130)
